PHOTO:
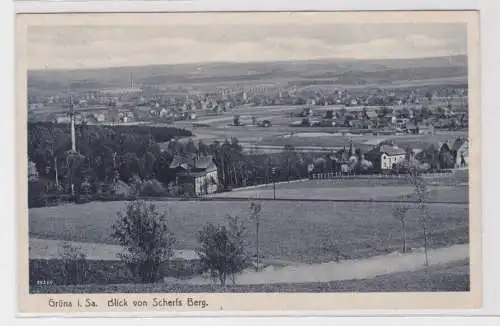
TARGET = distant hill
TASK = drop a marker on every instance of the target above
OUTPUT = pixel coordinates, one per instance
(206, 73)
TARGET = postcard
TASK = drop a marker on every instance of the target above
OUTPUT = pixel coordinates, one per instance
(261, 163)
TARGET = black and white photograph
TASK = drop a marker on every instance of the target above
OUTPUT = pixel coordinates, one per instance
(294, 154)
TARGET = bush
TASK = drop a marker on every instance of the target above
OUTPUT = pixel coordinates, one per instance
(36, 194)
(104, 271)
(74, 269)
(148, 242)
(152, 188)
(83, 199)
(222, 251)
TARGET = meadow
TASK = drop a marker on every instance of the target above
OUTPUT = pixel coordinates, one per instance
(310, 137)
(298, 231)
(394, 188)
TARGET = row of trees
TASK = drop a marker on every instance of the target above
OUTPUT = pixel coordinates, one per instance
(112, 154)
(106, 153)
(132, 155)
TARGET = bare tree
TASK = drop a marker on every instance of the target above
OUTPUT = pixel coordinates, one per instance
(400, 213)
(255, 209)
(420, 189)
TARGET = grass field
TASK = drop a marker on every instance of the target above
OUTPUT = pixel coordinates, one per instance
(452, 277)
(291, 230)
(436, 194)
(308, 137)
(353, 189)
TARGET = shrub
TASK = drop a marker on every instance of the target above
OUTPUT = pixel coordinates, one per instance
(222, 251)
(152, 188)
(74, 269)
(36, 194)
(147, 241)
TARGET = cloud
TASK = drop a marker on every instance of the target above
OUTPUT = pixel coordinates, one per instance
(92, 47)
(412, 46)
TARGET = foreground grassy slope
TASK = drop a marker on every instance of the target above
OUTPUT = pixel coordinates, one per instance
(451, 277)
(294, 231)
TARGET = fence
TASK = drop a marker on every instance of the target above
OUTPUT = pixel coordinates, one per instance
(380, 176)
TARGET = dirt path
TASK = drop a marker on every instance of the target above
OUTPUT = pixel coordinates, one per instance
(300, 273)
(349, 269)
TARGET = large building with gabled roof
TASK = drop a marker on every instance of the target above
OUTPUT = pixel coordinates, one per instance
(196, 175)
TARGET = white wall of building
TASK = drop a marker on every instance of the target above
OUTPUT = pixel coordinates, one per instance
(386, 161)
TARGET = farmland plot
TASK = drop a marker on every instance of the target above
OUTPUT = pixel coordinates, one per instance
(295, 231)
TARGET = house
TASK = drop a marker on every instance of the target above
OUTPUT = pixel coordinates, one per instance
(195, 175)
(100, 117)
(62, 119)
(390, 156)
(461, 150)
(426, 130)
(412, 128)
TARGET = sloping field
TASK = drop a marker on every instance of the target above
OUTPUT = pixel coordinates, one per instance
(376, 189)
(52, 249)
(375, 193)
(291, 230)
(311, 138)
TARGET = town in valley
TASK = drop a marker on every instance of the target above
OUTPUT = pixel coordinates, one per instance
(319, 175)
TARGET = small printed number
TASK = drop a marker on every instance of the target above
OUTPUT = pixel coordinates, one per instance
(44, 282)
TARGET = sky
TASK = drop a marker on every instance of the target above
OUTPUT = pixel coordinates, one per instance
(83, 47)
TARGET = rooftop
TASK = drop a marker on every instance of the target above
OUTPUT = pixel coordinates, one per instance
(191, 161)
(391, 150)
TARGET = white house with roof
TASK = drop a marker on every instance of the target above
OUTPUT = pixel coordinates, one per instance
(391, 155)
(461, 147)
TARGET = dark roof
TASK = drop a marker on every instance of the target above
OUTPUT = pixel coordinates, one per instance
(185, 161)
(390, 150)
(191, 161)
(204, 162)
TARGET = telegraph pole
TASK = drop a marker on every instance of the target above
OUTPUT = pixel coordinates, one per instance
(274, 171)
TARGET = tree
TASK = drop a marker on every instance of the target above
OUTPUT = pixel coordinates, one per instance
(221, 250)
(342, 112)
(428, 95)
(75, 265)
(382, 112)
(236, 120)
(420, 189)
(440, 112)
(190, 146)
(446, 158)
(146, 238)
(399, 213)
(425, 112)
(255, 209)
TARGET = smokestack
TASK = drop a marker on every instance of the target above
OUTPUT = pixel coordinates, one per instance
(72, 119)
(131, 81)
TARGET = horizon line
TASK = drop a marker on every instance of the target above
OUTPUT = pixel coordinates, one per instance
(240, 62)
